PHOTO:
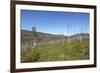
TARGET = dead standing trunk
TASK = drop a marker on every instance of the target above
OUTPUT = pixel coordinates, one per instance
(34, 43)
(34, 37)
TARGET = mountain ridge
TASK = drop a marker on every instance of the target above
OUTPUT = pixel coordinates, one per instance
(28, 32)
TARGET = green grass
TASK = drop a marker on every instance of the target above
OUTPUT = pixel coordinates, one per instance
(74, 50)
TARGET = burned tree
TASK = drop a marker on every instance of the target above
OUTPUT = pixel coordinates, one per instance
(62, 39)
(34, 36)
(68, 39)
(81, 35)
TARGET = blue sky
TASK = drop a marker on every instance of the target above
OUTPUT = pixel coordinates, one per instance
(66, 23)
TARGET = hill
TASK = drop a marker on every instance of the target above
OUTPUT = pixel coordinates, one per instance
(46, 38)
(50, 47)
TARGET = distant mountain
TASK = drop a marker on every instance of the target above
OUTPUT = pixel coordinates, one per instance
(26, 34)
(84, 35)
(27, 37)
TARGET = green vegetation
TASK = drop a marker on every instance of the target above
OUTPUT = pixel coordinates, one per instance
(74, 50)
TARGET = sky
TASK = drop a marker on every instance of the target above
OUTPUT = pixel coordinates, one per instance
(66, 23)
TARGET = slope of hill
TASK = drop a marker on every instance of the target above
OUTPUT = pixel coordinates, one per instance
(25, 34)
(28, 35)
(44, 38)
(50, 47)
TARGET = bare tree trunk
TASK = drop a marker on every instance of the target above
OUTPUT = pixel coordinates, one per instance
(80, 38)
(34, 36)
(34, 43)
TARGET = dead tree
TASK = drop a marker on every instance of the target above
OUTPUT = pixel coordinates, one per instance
(81, 35)
(62, 39)
(34, 36)
(68, 39)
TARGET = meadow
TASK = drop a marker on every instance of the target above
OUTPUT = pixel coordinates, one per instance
(67, 51)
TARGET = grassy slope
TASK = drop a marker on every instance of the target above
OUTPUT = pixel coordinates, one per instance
(74, 50)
